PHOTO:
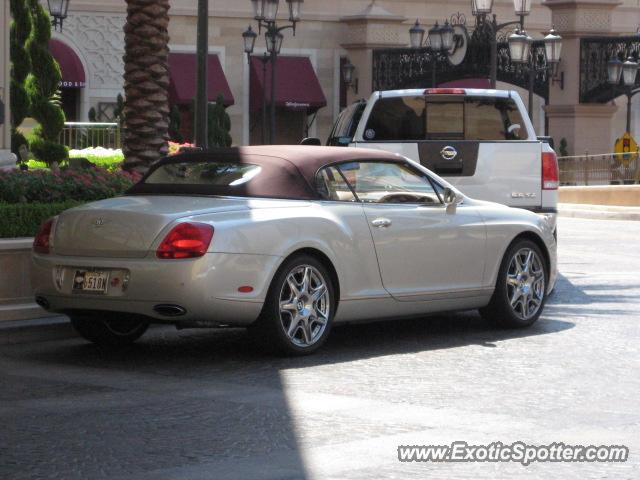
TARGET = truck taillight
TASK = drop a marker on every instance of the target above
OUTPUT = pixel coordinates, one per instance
(186, 240)
(42, 240)
(550, 174)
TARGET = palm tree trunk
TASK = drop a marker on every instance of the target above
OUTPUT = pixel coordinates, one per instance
(146, 80)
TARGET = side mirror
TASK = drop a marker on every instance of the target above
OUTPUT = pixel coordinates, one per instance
(451, 197)
(312, 141)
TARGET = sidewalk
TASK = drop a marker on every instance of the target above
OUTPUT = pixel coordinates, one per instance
(598, 212)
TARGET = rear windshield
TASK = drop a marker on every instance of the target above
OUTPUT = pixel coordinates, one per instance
(457, 118)
(204, 173)
(225, 174)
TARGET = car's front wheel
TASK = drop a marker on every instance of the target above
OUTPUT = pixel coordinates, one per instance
(300, 306)
(520, 291)
(109, 330)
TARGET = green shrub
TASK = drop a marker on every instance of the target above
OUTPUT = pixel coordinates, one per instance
(23, 220)
(47, 151)
(68, 185)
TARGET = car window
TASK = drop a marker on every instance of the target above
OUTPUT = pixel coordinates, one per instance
(445, 119)
(388, 182)
(331, 185)
(204, 173)
(493, 119)
(396, 118)
(346, 125)
(415, 118)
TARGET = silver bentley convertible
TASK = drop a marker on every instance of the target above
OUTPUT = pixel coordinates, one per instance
(288, 240)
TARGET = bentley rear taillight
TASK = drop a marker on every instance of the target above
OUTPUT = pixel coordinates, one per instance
(42, 240)
(186, 240)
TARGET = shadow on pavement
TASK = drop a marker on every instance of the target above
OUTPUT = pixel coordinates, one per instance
(192, 403)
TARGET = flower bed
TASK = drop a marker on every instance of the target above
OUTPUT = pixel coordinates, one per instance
(28, 198)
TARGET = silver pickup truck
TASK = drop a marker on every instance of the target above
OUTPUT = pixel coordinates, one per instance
(481, 141)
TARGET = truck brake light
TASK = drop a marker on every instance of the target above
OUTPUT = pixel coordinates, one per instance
(550, 174)
(444, 91)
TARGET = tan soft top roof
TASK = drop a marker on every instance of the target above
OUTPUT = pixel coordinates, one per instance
(287, 171)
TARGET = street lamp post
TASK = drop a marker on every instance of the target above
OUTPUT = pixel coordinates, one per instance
(201, 105)
(266, 13)
(481, 9)
(627, 71)
(58, 10)
(441, 41)
(522, 53)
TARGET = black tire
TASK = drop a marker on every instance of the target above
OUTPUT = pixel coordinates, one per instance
(269, 331)
(109, 330)
(499, 311)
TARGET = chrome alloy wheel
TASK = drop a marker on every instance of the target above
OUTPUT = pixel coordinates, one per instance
(304, 305)
(525, 283)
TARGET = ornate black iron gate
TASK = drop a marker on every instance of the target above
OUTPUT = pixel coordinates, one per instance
(595, 52)
(397, 68)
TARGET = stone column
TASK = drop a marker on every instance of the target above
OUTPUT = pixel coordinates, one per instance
(586, 127)
(6, 157)
(374, 27)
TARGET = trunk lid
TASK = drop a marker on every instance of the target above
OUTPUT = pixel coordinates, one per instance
(126, 227)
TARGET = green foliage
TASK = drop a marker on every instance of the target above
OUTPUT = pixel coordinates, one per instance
(111, 163)
(118, 112)
(174, 125)
(20, 68)
(42, 87)
(219, 124)
(17, 139)
(562, 150)
(47, 151)
(46, 186)
(24, 219)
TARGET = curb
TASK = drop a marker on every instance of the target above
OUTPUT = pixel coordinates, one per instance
(599, 212)
(35, 330)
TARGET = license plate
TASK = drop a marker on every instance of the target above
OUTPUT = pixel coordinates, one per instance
(90, 281)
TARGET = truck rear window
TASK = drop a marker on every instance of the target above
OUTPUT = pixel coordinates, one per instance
(414, 118)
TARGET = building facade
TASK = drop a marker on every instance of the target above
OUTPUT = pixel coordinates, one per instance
(310, 92)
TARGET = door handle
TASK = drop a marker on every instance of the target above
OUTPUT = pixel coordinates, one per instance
(381, 222)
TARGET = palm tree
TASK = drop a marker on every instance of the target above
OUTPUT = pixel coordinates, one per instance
(146, 80)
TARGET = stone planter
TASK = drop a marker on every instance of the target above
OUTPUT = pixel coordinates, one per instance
(16, 296)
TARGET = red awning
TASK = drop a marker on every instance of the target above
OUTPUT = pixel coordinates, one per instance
(182, 72)
(297, 86)
(70, 65)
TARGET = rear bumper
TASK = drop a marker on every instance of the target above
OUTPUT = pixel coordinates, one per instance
(206, 288)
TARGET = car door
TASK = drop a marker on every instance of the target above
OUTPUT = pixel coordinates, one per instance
(425, 251)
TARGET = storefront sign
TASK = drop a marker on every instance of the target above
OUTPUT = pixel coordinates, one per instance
(297, 106)
(69, 84)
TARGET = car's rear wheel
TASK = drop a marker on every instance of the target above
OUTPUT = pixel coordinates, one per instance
(520, 291)
(299, 309)
(109, 330)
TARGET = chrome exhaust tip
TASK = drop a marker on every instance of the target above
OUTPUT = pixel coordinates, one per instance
(169, 310)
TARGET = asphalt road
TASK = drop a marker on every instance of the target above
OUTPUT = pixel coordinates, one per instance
(205, 405)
